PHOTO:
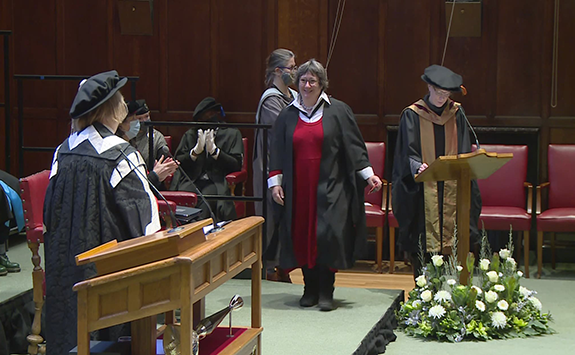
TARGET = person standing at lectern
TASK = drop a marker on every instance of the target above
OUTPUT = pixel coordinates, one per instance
(429, 128)
(97, 192)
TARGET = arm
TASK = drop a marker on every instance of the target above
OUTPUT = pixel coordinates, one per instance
(231, 151)
(192, 167)
(269, 113)
(278, 147)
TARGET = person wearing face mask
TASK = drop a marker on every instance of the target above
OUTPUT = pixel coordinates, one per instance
(429, 128)
(207, 156)
(280, 72)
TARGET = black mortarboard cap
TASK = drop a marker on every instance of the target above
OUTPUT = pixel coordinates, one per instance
(209, 103)
(94, 91)
(442, 78)
(138, 107)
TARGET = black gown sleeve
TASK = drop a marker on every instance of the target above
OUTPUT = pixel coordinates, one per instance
(191, 167)
(231, 152)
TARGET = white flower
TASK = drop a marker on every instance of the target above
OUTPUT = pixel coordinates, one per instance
(504, 254)
(502, 305)
(484, 264)
(524, 292)
(451, 282)
(492, 275)
(459, 268)
(480, 306)
(536, 303)
(491, 296)
(437, 260)
(442, 296)
(512, 262)
(498, 320)
(499, 288)
(426, 296)
(519, 273)
(421, 281)
(416, 304)
(437, 311)
(479, 291)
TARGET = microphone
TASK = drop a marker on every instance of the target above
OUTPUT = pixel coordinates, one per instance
(215, 228)
(175, 221)
(470, 126)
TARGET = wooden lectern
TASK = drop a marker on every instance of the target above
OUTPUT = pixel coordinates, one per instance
(464, 168)
(130, 289)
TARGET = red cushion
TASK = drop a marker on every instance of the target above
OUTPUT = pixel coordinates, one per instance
(391, 220)
(500, 217)
(376, 153)
(237, 177)
(33, 190)
(181, 198)
(557, 220)
(505, 186)
(374, 215)
(561, 160)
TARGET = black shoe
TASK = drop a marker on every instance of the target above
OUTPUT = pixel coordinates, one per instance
(8, 265)
(310, 292)
(3, 271)
(326, 288)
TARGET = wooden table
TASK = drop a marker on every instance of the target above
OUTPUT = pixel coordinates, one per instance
(138, 293)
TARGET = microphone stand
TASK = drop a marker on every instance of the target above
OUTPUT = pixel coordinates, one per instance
(470, 126)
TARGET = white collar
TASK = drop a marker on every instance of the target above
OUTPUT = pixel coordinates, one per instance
(323, 97)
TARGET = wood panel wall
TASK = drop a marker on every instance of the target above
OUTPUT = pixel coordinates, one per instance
(218, 48)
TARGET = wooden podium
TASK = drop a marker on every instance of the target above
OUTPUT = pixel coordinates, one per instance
(124, 293)
(464, 168)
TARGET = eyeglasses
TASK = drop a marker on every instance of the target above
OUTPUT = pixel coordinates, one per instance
(311, 82)
(293, 67)
(442, 93)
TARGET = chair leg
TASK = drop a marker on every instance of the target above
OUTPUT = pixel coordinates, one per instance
(553, 250)
(379, 248)
(539, 253)
(526, 251)
(391, 250)
(35, 339)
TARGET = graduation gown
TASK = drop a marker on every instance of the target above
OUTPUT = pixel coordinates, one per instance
(409, 203)
(229, 140)
(341, 229)
(94, 196)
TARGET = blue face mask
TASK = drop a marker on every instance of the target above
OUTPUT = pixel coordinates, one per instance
(134, 129)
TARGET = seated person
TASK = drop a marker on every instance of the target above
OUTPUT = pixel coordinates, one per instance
(207, 156)
(129, 130)
(11, 215)
(141, 141)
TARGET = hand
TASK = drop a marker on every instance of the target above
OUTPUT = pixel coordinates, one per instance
(422, 168)
(200, 143)
(165, 167)
(375, 182)
(278, 194)
(210, 142)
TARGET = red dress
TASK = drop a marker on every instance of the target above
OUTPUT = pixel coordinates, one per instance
(307, 149)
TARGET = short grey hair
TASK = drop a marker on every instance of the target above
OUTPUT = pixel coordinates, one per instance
(278, 58)
(314, 67)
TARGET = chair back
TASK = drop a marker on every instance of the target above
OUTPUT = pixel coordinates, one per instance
(169, 142)
(376, 153)
(245, 163)
(561, 169)
(33, 190)
(505, 186)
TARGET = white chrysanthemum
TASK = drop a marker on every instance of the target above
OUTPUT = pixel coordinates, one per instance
(498, 320)
(502, 305)
(459, 268)
(504, 254)
(442, 296)
(499, 288)
(451, 282)
(492, 275)
(421, 281)
(519, 273)
(479, 291)
(512, 262)
(437, 311)
(484, 264)
(480, 306)
(491, 296)
(426, 296)
(437, 260)
(524, 292)
(536, 303)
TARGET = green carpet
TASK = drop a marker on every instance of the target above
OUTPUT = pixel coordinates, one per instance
(556, 296)
(290, 329)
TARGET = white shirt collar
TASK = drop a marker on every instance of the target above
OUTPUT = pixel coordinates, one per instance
(323, 97)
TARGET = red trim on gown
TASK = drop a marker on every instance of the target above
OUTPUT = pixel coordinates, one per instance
(307, 149)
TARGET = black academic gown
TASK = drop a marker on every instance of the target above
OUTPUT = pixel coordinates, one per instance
(407, 195)
(229, 140)
(341, 228)
(94, 196)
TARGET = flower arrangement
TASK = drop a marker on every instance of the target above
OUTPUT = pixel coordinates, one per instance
(491, 306)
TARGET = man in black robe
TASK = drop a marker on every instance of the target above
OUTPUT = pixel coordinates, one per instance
(207, 156)
(429, 128)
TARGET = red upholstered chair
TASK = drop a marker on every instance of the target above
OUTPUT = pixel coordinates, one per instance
(560, 215)
(165, 210)
(503, 196)
(240, 177)
(33, 189)
(375, 203)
